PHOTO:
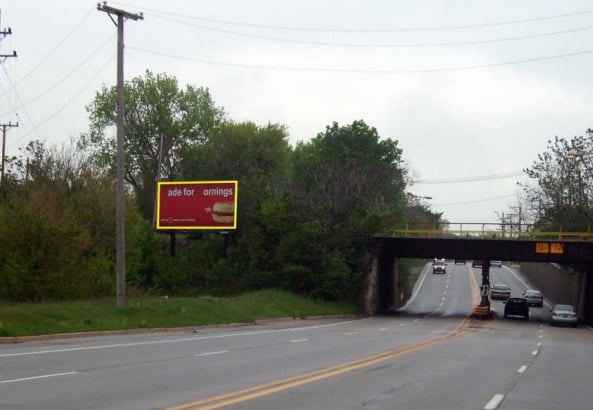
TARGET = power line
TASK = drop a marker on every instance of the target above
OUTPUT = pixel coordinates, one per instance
(377, 45)
(364, 71)
(370, 30)
(70, 100)
(18, 98)
(476, 200)
(65, 77)
(45, 58)
(469, 179)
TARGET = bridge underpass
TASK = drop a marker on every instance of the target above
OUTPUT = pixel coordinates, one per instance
(383, 276)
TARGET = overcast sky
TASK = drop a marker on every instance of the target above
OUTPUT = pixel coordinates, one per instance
(472, 90)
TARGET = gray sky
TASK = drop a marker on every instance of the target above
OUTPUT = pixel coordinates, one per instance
(472, 90)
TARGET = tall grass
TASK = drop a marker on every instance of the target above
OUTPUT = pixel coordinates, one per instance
(24, 319)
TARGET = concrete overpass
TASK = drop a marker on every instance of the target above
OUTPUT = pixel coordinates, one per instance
(383, 276)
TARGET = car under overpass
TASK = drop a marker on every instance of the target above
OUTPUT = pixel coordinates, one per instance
(382, 268)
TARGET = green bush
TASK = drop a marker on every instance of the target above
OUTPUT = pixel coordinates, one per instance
(333, 280)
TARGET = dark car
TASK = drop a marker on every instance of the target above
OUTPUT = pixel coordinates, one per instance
(516, 307)
(459, 261)
(476, 262)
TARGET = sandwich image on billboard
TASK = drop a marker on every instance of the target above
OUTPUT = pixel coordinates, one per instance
(223, 212)
(197, 205)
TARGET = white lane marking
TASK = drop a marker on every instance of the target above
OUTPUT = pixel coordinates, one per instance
(383, 329)
(299, 340)
(180, 340)
(417, 288)
(211, 353)
(541, 337)
(535, 352)
(355, 333)
(494, 402)
(522, 369)
(539, 344)
(45, 376)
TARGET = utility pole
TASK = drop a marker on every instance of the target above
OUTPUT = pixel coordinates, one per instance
(5, 33)
(120, 241)
(4, 126)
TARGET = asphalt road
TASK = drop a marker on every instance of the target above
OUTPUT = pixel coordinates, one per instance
(428, 355)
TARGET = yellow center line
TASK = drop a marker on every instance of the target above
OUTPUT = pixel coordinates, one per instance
(266, 389)
(250, 393)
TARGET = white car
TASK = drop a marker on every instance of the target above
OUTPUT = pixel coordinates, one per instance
(564, 315)
(439, 266)
(534, 297)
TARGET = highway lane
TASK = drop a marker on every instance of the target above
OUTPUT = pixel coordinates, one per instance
(425, 356)
(511, 276)
(450, 294)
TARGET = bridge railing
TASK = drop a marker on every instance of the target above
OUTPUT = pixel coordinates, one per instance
(473, 230)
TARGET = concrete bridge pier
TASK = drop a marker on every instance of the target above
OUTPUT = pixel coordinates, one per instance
(382, 288)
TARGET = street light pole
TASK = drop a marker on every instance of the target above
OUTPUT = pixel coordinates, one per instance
(120, 222)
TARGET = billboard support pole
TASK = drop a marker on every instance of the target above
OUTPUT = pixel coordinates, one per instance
(225, 245)
(172, 238)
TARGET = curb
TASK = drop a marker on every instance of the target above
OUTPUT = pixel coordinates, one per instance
(31, 338)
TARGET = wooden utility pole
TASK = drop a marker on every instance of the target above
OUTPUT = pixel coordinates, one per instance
(4, 126)
(5, 33)
(120, 221)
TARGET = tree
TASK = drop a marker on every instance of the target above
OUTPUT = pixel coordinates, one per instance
(419, 214)
(156, 109)
(349, 184)
(350, 169)
(57, 228)
(259, 158)
(563, 194)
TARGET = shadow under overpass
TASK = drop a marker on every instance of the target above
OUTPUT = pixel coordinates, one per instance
(383, 277)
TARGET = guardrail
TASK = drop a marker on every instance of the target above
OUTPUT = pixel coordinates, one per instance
(489, 231)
